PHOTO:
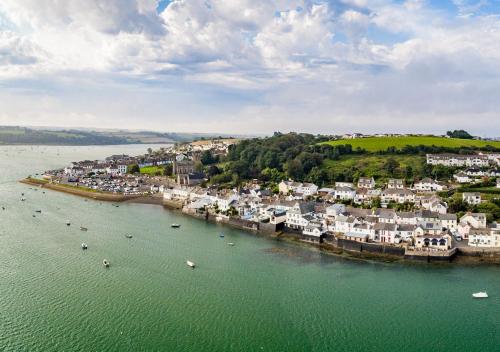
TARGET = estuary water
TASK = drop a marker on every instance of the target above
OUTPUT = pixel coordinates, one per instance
(260, 295)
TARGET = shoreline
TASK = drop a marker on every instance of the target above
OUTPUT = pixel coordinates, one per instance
(107, 197)
(470, 257)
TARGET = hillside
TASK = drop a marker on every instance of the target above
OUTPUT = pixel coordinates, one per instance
(10, 135)
(376, 144)
(21, 135)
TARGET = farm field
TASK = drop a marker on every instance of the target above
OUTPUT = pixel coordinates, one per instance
(375, 144)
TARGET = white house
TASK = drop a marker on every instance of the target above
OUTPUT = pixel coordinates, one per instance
(483, 238)
(429, 185)
(437, 242)
(448, 221)
(471, 221)
(344, 193)
(453, 160)
(366, 182)
(225, 201)
(304, 189)
(395, 183)
(472, 198)
(462, 177)
(344, 184)
(400, 195)
(299, 216)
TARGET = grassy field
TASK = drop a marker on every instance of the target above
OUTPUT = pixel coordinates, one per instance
(374, 144)
(372, 165)
(151, 170)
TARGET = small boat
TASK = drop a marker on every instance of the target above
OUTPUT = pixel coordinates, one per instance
(23, 199)
(128, 236)
(221, 235)
(83, 228)
(105, 262)
(84, 246)
(3, 208)
(480, 295)
(175, 226)
(38, 211)
(230, 244)
(117, 206)
(68, 223)
(34, 215)
(190, 264)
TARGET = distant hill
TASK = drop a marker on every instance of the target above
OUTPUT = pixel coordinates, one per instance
(376, 144)
(10, 135)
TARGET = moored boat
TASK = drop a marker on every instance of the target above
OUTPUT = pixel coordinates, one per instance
(190, 264)
(38, 211)
(106, 263)
(221, 235)
(68, 223)
(230, 244)
(480, 295)
(175, 226)
(128, 236)
(83, 228)
(84, 246)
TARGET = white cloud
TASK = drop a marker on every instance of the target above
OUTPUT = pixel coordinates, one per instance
(333, 62)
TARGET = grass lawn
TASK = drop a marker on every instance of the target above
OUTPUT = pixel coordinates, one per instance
(151, 170)
(374, 144)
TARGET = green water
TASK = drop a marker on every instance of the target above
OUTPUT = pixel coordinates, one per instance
(260, 295)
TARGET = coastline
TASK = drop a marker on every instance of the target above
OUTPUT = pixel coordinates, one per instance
(108, 197)
(471, 256)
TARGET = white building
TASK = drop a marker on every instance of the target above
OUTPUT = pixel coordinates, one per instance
(395, 183)
(304, 189)
(366, 182)
(484, 237)
(456, 160)
(472, 198)
(429, 185)
(462, 177)
(400, 195)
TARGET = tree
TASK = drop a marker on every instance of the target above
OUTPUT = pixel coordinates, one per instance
(168, 169)
(459, 134)
(213, 170)
(198, 166)
(207, 158)
(295, 170)
(409, 172)
(390, 166)
(134, 169)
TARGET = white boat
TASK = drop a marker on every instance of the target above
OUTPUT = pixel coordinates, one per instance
(175, 226)
(83, 228)
(128, 236)
(190, 264)
(105, 262)
(84, 246)
(480, 295)
(68, 223)
(230, 244)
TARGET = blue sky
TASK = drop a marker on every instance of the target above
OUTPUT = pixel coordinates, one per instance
(252, 66)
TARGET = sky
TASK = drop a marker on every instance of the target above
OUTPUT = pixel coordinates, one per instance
(252, 66)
